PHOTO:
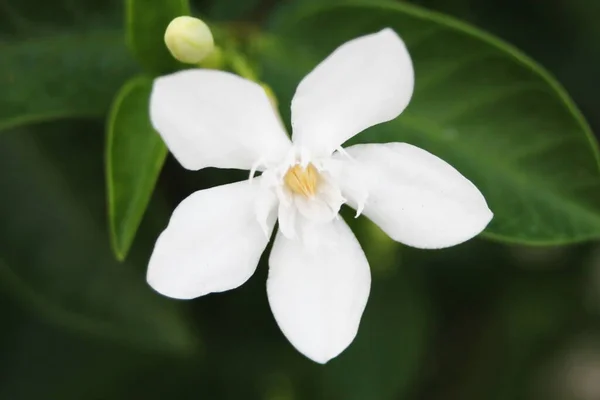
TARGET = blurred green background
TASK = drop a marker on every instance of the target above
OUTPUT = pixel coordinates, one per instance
(478, 321)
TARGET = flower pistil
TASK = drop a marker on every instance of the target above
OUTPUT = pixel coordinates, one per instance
(302, 180)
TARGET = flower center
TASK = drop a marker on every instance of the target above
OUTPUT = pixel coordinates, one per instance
(301, 180)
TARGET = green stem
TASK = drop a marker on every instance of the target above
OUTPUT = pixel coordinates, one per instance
(240, 65)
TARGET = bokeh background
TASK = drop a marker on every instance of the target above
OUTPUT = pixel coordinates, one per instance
(479, 321)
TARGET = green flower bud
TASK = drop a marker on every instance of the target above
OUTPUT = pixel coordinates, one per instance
(189, 39)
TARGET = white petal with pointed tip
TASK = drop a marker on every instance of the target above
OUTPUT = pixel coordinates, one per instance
(318, 288)
(213, 242)
(415, 197)
(364, 82)
(212, 118)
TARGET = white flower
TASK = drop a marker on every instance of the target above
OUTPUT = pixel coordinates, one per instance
(319, 278)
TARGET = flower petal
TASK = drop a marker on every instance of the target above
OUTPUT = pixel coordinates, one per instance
(212, 244)
(415, 197)
(212, 118)
(364, 82)
(287, 216)
(318, 288)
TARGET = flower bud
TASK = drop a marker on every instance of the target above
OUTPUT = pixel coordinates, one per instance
(189, 39)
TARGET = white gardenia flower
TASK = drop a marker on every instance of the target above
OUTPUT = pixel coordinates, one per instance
(319, 278)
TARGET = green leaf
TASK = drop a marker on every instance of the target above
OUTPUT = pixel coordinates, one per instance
(135, 154)
(479, 104)
(60, 59)
(61, 75)
(146, 24)
(54, 257)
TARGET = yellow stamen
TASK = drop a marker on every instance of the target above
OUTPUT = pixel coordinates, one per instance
(301, 180)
